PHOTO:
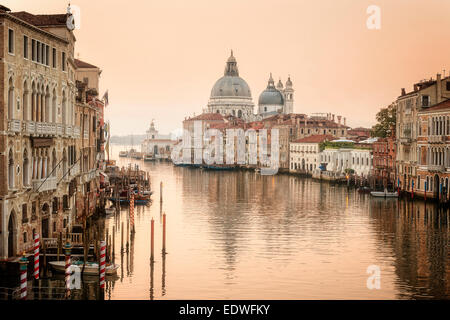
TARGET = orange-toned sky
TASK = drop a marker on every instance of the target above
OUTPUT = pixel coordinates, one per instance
(160, 59)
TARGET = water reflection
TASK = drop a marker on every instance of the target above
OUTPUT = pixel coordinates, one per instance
(241, 235)
(418, 236)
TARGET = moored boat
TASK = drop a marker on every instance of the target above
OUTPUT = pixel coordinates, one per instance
(91, 268)
(123, 154)
(149, 157)
(384, 194)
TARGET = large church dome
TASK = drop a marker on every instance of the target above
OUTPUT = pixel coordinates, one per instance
(231, 85)
(271, 96)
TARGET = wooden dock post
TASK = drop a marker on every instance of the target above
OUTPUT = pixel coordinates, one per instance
(152, 241)
(59, 246)
(121, 239)
(161, 192)
(164, 234)
(113, 246)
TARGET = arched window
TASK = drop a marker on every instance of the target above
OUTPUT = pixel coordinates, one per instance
(64, 162)
(33, 102)
(54, 106)
(47, 105)
(25, 99)
(54, 163)
(10, 99)
(64, 108)
(240, 113)
(10, 169)
(25, 170)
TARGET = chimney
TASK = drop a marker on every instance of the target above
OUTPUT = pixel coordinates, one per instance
(333, 117)
(345, 122)
(438, 88)
(415, 87)
(339, 119)
(403, 91)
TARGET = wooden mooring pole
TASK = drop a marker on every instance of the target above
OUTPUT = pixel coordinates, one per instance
(152, 241)
(164, 235)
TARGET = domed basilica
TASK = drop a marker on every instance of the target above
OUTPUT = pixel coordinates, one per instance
(231, 95)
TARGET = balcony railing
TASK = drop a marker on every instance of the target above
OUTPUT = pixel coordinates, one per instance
(88, 176)
(436, 139)
(40, 185)
(76, 132)
(75, 170)
(436, 168)
(69, 131)
(14, 125)
(44, 128)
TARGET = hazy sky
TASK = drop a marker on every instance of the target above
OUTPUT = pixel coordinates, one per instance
(160, 59)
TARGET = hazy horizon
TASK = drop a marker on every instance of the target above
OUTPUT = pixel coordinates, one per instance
(162, 58)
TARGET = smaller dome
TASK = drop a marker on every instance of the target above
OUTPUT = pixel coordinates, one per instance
(271, 96)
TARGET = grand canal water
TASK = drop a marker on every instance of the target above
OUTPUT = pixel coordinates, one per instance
(239, 235)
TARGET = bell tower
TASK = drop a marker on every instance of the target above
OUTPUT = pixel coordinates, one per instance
(288, 97)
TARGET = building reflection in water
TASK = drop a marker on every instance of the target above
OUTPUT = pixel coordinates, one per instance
(418, 235)
(243, 235)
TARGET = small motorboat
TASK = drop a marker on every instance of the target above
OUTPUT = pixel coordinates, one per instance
(384, 194)
(123, 154)
(91, 268)
(149, 157)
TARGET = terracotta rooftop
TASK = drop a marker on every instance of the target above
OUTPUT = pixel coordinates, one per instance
(82, 64)
(318, 138)
(207, 116)
(41, 20)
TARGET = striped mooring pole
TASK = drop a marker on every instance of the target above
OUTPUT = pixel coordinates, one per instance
(102, 263)
(36, 256)
(23, 277)
(132, 213)
(67, 251)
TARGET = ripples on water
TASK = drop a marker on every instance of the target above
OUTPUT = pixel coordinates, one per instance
(244, 236)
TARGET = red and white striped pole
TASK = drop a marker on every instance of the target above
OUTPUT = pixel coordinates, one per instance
(102, 263)
(36, 256)
(23, 277)
(132, 212)
(68, 270)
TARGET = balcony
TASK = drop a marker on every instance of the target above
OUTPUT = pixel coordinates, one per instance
(59, 129)
(69, 131)
(74, 170)
(76, 132)
(40, 186)
(436, 139)
(437, 168)
(89, 175)
(46, 129)
(86, 134)
(14, 126)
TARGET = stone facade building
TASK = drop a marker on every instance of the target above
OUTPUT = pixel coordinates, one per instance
(304, 153)
(425, 94)
(39, 121)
